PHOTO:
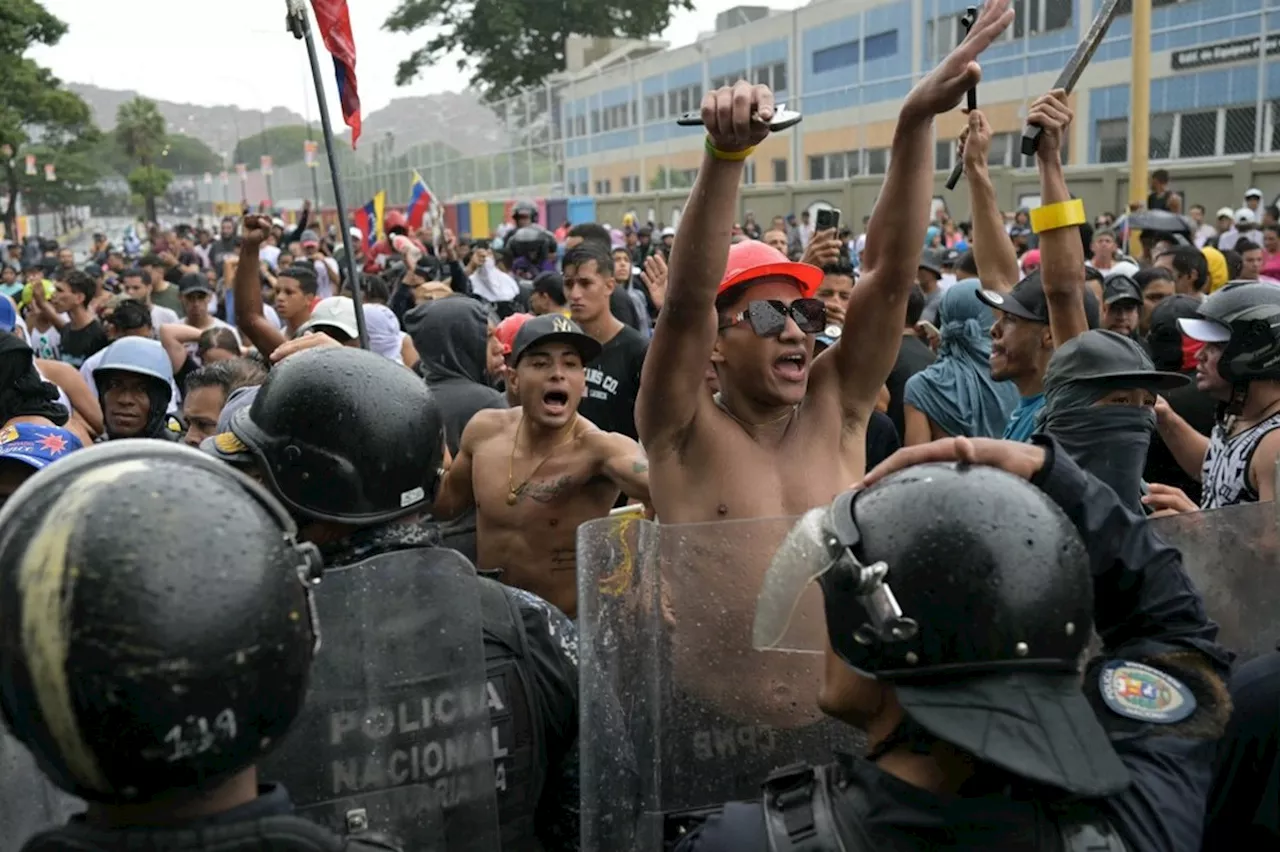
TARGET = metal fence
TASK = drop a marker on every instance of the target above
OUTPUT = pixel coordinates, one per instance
(1213, 98)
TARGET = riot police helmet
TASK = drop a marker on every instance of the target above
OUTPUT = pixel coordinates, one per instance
(1245, 319)
(156, 623)
(524, 208)
(345, 435)
(969, 591)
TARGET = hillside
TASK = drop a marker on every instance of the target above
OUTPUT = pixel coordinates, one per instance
(453, 118)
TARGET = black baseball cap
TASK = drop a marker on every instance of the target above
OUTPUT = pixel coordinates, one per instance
(193, 282)
(1121, 288)
(1027, 301)
(1100, 354)
(931, 261)
(554, 328)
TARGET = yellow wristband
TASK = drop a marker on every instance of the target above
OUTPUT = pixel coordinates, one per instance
(731, 156)
(1064, 214)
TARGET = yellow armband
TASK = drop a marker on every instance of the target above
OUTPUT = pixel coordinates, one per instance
(1064, 214)
(731, 156)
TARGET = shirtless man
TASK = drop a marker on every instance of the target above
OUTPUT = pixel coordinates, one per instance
(534, 473)
(788, 431)
(787, 434)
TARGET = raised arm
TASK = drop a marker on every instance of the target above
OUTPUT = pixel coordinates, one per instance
(868, 346)
(1061, 250)
(673, 385)
(174, 337)
(249, 317)
(992, 249)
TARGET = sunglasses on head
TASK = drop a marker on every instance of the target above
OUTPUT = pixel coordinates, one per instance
(768, 317)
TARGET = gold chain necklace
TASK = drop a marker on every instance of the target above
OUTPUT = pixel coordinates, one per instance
(514, 491)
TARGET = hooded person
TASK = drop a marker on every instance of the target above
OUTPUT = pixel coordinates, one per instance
(1099, 404)
(24, 395)
(955, 396)
(452, 338)
(133, 380)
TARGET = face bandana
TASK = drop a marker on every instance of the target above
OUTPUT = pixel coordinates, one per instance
(1109, 441)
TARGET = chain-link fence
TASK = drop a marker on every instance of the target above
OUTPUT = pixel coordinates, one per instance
(610, 131)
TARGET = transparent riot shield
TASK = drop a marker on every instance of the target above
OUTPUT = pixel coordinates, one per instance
(1233, 556)
(395, 738)
(665, 631)
(29, 802)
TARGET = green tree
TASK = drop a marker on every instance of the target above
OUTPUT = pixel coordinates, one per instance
(284, 145)
(141, 133)
(513, 45)
(33, 104)
(186, 155)
(77, 175)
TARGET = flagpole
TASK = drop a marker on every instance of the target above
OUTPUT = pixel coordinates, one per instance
(300, 26)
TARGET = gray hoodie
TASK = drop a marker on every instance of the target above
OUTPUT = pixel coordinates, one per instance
(451, 336)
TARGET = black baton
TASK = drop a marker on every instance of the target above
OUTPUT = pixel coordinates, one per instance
(971, 99)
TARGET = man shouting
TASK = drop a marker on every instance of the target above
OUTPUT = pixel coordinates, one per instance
(534, 473)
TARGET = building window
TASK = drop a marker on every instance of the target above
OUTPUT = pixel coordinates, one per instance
(943, 154)
(1197, 134)
(630, 183)
(877, 161)
(749, 173)
(780, 170)
(728, 79)
(635, 113)
(1113, 141)
(603, 187)
(880, 45)
(839, 56)
(595, 121)
(1001, 144)
(655, 107)
(1057, 14)
(581, 125)
(1237, 134)
(1161, 136)
(774, 76)
(673, 102)
(818, 167)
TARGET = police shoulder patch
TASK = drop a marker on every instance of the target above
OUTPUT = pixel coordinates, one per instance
(1140, 692)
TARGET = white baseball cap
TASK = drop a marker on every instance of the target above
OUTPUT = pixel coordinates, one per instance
(334, 312)
(1253, 192)
(1244, 214)
(1226, 213)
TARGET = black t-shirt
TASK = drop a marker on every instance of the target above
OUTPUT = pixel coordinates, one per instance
(79, 343)
(913, 356)
(882, 440)
(613, 380)
(623, 309)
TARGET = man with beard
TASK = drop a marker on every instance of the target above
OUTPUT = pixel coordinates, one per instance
(1122, 301)
(536, 472)
(751, 452)
(358, 487)
(133, 380)
(1240, 328)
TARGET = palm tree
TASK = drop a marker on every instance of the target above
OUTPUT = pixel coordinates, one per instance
(140, 130)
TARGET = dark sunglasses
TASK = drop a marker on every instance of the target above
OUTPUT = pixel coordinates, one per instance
(768, 317)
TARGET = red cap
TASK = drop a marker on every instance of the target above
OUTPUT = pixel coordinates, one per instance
(508, 329)
(1031, 258)
(752, 259)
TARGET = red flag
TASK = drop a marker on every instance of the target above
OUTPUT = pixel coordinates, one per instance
(334, 21)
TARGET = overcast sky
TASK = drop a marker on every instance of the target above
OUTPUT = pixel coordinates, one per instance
(237, 51)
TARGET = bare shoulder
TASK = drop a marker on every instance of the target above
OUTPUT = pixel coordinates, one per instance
(486, 424)
(606, 445)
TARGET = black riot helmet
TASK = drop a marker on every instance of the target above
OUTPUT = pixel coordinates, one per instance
(971, 592)
(532, 243)
(1245, 317)
(525, 208)
(345, 435)
(156, 626)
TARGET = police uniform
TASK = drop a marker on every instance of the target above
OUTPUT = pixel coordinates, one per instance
(1156, 691)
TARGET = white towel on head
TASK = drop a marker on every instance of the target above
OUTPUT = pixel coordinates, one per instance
(384, 331)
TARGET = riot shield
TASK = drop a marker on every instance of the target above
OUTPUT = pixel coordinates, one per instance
(1233, 556)
(395, 737)
(29, 802)
(665, 623)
